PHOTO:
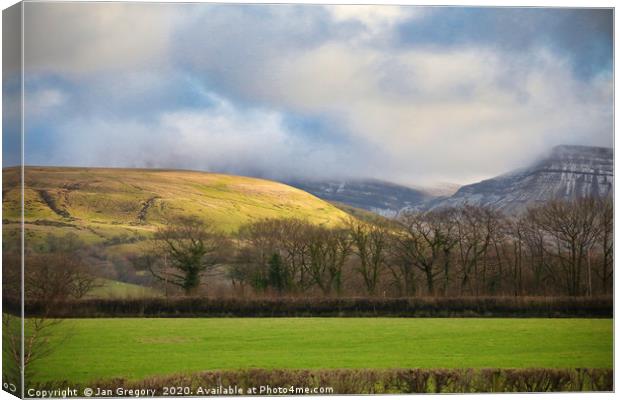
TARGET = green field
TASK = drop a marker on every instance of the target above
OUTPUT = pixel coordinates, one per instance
(133, 348)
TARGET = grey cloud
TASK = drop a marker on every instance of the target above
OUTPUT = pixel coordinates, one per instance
(85, 38)
(220, 138)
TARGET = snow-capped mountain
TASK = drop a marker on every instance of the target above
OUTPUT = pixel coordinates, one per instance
(568, 172)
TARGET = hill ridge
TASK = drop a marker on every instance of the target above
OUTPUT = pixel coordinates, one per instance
(110, 201)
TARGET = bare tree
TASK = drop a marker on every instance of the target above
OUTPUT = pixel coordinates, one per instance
(539, 262)
(400, 265)
(328, 250)
(50, 279)
(293, 238)
(571, 231)
(514, 254)
(605, 241)
(11, 317)
(426, 240)
(187, 248)
(370, 245)
(493, 261)
(258, 241)
(306, 255)
(53, 277)
(474, 229)
(286, 237)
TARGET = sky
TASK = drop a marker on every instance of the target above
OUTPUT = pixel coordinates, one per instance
(413, 95)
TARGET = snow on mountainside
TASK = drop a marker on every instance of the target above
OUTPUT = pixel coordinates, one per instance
(381, 197)
(568, 172)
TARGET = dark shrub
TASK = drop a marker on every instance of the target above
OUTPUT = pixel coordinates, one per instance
(371, 381)
(547, 307)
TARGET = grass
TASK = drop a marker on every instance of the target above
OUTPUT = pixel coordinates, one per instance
(89, 349)
(107, 288)
(100, 203)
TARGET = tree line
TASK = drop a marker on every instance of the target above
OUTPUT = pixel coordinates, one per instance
(556, 248)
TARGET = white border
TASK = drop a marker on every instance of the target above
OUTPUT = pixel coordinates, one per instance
(484, 3)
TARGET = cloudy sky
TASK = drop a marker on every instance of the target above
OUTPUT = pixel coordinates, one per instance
(406, 94)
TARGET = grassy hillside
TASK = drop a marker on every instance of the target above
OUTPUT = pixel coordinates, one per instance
(113, 205)
(107, 289)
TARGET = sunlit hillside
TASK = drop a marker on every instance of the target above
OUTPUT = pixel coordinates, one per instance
(112, 205)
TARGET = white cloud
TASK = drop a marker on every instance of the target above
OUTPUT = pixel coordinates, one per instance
(220, 138)
(446, 114)
(42, 101)
(374, 17)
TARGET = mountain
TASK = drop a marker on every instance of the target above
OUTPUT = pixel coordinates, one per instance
(101, 204)
(381, 197)
(567, 172)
